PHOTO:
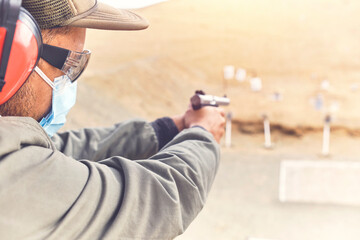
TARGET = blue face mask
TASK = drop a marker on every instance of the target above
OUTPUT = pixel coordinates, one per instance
(63, 99)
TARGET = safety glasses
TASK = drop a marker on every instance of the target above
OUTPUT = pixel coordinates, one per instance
(69, 62)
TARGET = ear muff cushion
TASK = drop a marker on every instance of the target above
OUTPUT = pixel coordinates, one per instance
(24, 55)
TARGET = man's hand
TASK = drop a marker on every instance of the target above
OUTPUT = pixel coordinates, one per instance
(210, 118)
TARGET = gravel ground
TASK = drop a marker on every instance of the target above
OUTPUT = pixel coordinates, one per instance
(243, 203)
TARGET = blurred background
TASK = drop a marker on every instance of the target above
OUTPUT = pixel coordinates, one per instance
(295, 62)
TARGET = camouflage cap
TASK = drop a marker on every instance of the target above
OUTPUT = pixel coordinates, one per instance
(82, 13)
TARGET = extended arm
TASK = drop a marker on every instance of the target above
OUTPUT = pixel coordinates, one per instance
(53, 196)
(135, 139)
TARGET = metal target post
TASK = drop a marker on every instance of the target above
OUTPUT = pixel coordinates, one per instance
(326, 136)
(229, 117)
(267, 132)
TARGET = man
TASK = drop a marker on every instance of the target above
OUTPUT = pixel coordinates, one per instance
(135, 180)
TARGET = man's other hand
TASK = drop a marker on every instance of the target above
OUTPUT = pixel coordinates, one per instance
(210, 118)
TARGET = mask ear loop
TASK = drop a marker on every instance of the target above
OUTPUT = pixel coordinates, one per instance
(44, 77)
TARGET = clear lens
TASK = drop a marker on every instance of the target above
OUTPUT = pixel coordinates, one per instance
(76, 63)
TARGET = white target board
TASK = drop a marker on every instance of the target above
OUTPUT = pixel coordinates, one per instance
(229, 72)
(326, 182)
(256, 84)
(240, 75)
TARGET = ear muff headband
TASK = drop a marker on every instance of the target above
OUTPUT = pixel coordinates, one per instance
(9, 15)
(25, 50)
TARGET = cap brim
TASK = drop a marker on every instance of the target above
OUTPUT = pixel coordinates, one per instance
(110, 18)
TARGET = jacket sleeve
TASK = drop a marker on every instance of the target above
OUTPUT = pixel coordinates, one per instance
(53, 196)
(135, 139)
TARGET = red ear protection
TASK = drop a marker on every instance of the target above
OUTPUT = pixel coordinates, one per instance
(20, 47)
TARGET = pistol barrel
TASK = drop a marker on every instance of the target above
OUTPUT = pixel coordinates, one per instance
(198, 101)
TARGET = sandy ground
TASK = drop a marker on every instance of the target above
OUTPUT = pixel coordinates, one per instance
(292, 45)
(244, 200)
(244, 203)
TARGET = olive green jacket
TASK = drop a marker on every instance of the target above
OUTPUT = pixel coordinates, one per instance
(105, 183)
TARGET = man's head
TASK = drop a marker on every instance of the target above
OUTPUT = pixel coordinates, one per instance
(63, 24)
(33, 99)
